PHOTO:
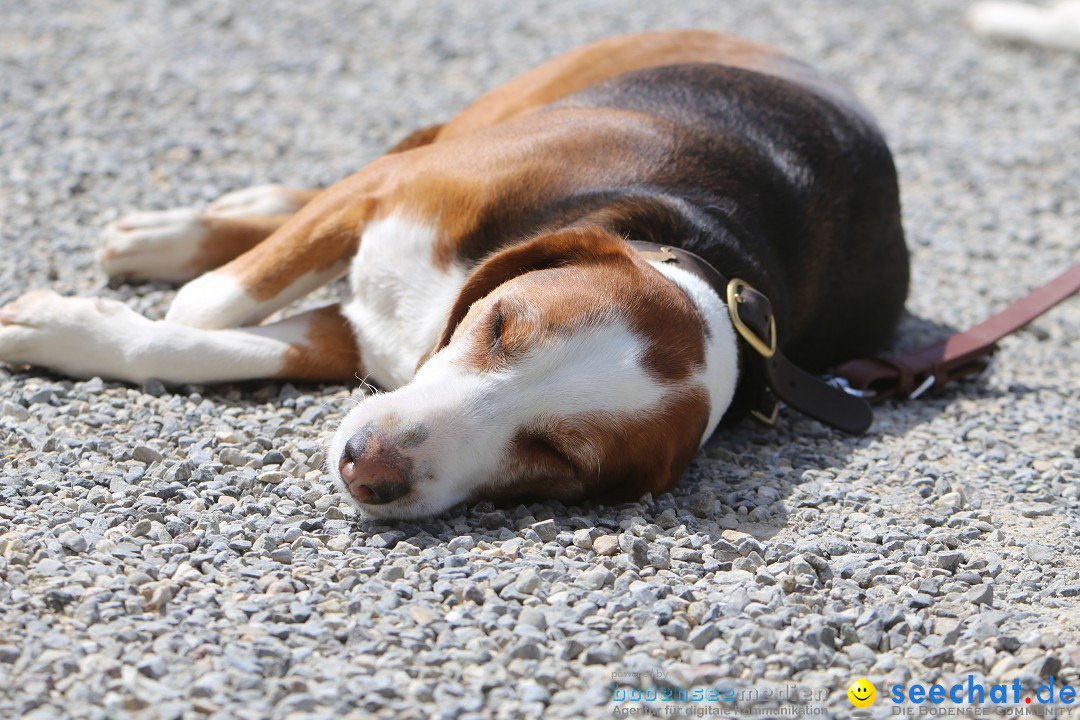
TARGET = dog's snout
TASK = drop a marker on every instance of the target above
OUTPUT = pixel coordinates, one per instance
(373, 469)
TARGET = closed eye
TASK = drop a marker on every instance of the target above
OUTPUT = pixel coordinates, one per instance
(498, 323)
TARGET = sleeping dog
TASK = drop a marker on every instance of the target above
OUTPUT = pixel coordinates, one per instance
(540, 284)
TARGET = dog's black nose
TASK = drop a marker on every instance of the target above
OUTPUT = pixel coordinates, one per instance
(372, 470)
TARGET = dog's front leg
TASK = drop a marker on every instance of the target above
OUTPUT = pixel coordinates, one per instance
(87, 337)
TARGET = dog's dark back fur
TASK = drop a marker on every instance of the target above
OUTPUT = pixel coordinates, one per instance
(779, 186)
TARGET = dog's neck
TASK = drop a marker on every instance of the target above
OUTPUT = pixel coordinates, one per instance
(721, 375)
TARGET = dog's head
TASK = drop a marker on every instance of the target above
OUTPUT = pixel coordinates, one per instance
(569, 367)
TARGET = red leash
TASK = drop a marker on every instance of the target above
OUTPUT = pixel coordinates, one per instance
(958, 356)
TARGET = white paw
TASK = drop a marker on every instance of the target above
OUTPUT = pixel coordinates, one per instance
(213, 301)
(153, 245)
(81, 337)
(259, 200)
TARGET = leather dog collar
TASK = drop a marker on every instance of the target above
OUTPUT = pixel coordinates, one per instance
(841, 400)
(752, 316)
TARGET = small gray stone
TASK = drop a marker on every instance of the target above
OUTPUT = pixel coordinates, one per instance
(834, 546)
(1040, 553)
(583, 538)
(239, 545)
(526, 650)
(189, 540)
(273, 457)
(528, 583)
(920, 600)
(266, 543)
(821, 636)
(138, 578)
(179, 473)
(799, 566)
(948, 560)
(971, 578)
(232, 456)
(703, 504)
(45, 395)
(689, 555)
(938, 657)
(597, 578)
(871, 633)
(532, 691)
(981, 595)
(146, 454)
(746, 564)
(951, 500)
(534, 617)
(605, 545)
(15, 411)
(659, 558)
(1045, 667)
(703, 635)
(493, 520)
(636, 548)
(295, 704)
(603, 654)
(386, 539)
(161, 596)
(153, 667)
(545, 530)
(1040, 509)
(167, 491)
(570, 649)
(462, 542)
(154, 387)
(73, 541)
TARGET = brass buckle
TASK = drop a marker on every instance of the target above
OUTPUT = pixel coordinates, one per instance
(770, 419)
(766, 348)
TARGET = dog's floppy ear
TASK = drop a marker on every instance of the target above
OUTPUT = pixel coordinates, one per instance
(566, 247)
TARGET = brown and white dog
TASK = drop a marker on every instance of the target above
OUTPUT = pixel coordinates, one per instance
(529, 349)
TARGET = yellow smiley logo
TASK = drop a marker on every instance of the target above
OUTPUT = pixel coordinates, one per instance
(861, 693)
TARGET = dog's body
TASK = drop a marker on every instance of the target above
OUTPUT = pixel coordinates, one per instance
(534, 352)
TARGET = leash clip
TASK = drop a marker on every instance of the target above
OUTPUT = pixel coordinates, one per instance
(923, 387)
(843, 384)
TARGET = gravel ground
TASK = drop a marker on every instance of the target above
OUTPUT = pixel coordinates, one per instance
(175, 554)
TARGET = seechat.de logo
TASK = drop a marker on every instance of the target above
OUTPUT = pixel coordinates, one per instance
(974, 693)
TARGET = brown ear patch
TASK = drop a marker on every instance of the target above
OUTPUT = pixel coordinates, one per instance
(560, 249)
